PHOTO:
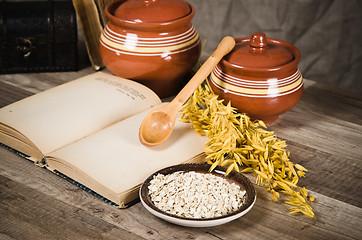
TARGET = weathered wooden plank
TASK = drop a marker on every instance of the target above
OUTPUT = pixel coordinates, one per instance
(15, 87)
(36, 82)
(325, 122)
(30, 214)
(10, 94)
(332, 175)
(332, 102)
(323, 133)
(266, 220)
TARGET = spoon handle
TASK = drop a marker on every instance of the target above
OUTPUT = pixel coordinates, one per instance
(224, 47)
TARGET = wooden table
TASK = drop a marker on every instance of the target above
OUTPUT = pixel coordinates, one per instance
(323, 132)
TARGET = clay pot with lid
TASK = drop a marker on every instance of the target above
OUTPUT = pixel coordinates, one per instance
(152, 42)
(260, 77)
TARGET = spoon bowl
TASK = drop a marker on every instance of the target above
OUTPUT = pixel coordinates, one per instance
(156, 128)
(158, 125)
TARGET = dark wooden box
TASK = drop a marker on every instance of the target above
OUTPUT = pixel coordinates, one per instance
(38, 36)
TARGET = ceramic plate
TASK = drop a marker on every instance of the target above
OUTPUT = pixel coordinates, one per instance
(234, 177)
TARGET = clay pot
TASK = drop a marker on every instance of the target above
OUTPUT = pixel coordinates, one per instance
(260, 77)
(152, 42)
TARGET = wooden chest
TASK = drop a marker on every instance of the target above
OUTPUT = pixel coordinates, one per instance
(38, 36)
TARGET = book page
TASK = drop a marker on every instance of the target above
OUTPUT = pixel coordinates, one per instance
(66, 113)
(116, 159)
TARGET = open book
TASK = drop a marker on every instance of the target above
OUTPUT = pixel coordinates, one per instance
(87, 130)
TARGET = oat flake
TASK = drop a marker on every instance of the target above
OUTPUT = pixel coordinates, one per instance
(195, 195)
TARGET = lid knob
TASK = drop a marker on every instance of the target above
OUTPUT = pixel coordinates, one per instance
(258, 51)
(147, 2)
(258, 40)
(152, 11)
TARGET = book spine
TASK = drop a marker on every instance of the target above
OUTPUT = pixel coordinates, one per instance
(14, 150)
(91, 27)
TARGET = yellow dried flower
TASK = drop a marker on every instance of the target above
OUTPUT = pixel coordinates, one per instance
(236, 141)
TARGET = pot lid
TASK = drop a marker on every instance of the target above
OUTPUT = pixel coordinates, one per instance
(259, 52)
(147, 11)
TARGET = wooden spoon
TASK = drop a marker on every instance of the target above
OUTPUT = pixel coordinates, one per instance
(157, 126)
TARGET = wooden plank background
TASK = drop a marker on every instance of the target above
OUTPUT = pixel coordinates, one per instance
(323, 133)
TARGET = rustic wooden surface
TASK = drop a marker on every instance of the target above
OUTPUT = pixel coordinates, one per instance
(323, 132)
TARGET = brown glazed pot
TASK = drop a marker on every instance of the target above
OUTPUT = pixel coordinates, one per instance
(152, 42)
(260, 77)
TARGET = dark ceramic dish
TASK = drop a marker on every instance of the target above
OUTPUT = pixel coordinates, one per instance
(233, 177)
